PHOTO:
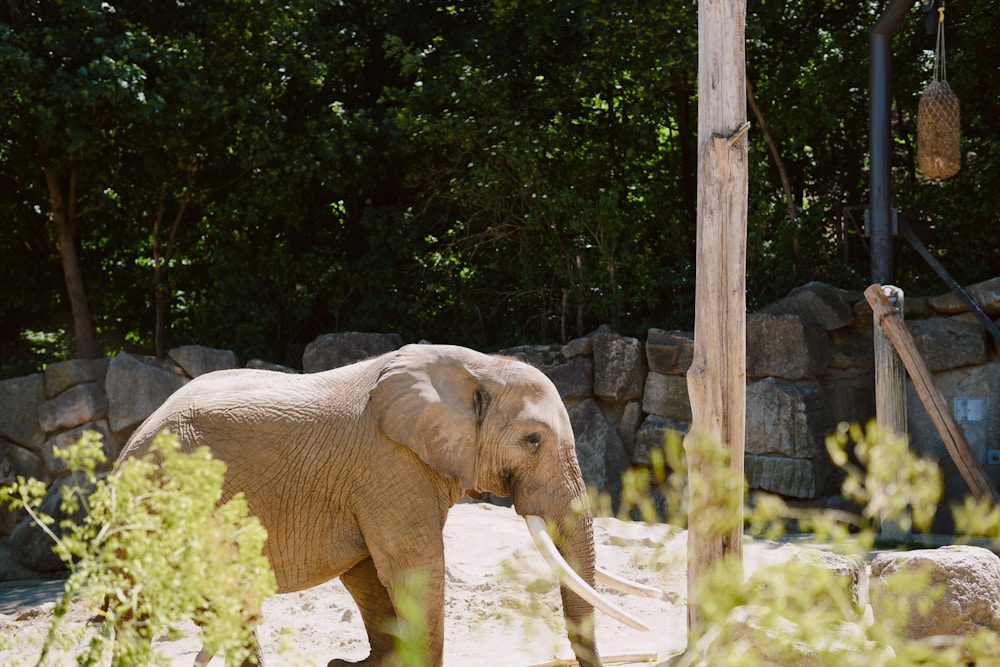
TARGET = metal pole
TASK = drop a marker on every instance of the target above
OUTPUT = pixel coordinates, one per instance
(880, 137)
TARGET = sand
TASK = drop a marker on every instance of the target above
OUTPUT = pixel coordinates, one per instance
(501, 609)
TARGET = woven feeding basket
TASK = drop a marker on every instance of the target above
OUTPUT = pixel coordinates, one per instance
(939, 132)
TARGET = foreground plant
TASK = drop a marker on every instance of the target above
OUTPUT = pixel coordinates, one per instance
(149, 545)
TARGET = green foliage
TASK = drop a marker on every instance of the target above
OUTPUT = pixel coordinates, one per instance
(476, 173)
(154, 547)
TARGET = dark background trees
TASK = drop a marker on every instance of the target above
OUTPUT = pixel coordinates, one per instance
(249, 174)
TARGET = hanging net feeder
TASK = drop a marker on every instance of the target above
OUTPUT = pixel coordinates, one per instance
(938, 119)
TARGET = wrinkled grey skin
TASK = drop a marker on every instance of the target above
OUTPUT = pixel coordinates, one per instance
(352, 471)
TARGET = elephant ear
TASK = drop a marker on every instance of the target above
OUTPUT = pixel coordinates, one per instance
(426, 400)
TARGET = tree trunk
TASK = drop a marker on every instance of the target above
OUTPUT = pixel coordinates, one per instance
(717, 377)
(62, 212)
(779, 164)
(161, 267)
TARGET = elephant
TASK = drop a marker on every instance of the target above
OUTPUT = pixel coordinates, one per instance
(352, 471)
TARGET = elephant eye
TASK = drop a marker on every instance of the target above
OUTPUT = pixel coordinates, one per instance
(532, 440)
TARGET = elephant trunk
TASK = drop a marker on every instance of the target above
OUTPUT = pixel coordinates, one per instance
(577, 548)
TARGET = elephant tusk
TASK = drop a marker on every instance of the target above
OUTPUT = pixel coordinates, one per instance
(572, 580)
(623, 585)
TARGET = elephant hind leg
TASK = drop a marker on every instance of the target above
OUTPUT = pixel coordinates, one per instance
(377, 612)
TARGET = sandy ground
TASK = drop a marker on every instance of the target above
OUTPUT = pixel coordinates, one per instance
(502, 608)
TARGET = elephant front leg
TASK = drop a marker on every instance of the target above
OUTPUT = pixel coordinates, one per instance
(377, 612)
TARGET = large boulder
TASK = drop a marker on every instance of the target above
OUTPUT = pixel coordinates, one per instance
(62, 375)
(669, 352)
(20, 399)
(136, 389)
(824, 305)
(340, 349)
(262, 365)
(651, 435)
(785, 346)
(574, 379)
(786, 419)
(197, 359)
(109, 444)
(17, 460)
(667, 396)
(10, 569)
(850, 399)
(949, 342)
(629, 423)
(534, 355)
(584, 345)
(971, 394)
(77, 405)
(619, 367)
(599, 450)
(986, 294)
(797, 478)
(967, 579)
(29, 544)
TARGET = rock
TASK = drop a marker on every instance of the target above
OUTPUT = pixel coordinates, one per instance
(10, 569)
(786, 419)
(340, 349)
(77, 405)
(851, 348)
(986, 294)
(667, 396)
(534, 355)
(598, 448)
(968, 577)
(823, 305)
(651, 436)
(971, 393)
(785, 346)
(197, 359)
(850, 399)
(916, 307)
(619, 367)
(669, 352)
(29, 545)
(20, 399)
(864, 319)
(584, 345)
(109, 444)
(16, 460)
(851, 570)
(136, 389)
(574, 379)
(798, 478)
(261, 365)
(629, 423)
(766, 638)
(62, 375)
(949, 342)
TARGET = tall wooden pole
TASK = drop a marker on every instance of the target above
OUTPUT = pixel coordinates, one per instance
(717, 376)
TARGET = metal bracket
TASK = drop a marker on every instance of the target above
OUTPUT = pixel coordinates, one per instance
(894, 217)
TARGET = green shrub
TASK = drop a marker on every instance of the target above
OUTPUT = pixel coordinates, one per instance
(154, 547)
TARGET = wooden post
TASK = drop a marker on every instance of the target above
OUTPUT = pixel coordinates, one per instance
(717, 376)
(890, 386)
(933, 400)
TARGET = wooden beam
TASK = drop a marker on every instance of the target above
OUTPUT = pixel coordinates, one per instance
(717, 376)
(933, 400)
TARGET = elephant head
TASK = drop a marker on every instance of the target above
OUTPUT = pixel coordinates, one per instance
(497, 425)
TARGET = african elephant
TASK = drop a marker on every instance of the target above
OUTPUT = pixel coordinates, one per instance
(352, 471)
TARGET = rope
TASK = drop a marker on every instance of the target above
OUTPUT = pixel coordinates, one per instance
(940, 64)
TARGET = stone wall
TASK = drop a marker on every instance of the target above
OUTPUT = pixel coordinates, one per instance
(809, 366)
